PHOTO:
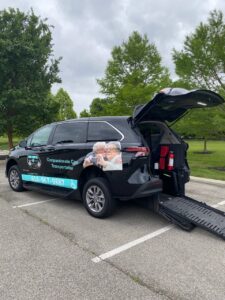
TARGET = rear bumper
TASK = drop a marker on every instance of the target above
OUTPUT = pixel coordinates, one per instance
(147, 189)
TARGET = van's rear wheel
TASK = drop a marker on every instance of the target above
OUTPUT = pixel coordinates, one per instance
(97, 198)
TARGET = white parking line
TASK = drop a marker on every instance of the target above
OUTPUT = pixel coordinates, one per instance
(33, 203)
(131, 244)
(219, 204)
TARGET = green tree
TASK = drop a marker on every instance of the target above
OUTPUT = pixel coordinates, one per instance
(201, 64)
(195, 124)
(48, 114)
(65, 105)
(98, 107)
(27, 70)
(84, 113)
(133, 75)
(201, 61)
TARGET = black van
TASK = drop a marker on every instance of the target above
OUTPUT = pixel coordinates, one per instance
(103, 159)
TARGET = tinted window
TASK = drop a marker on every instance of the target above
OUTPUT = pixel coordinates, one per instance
(29, 139)
(40, 137)
(101, 131)
(70, 133)
(155, 129)
(152, 128)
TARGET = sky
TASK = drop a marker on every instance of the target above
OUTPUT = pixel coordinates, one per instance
(85, 31)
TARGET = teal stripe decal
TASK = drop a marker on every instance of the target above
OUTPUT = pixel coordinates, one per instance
(56, 181)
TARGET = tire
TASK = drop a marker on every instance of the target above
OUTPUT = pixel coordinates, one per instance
(15, 179)
(97, 198)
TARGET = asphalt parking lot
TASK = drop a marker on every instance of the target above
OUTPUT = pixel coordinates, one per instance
(50, 248)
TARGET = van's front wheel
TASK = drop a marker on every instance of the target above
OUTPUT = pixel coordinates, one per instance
(15, 180)
(97, 198)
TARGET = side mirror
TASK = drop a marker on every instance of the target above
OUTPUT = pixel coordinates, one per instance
(23, 144)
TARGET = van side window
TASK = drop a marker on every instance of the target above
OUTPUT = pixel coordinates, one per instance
(70, 133)
(41, 136)
(102, 131)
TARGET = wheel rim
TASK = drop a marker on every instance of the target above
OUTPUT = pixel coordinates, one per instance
(14, 179)
(95, 198)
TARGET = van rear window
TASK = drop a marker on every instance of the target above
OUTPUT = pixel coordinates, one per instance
(102, 131)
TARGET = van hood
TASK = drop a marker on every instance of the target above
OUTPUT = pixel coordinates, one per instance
(171, 103)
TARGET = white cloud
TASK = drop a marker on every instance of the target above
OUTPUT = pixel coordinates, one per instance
(85, 32)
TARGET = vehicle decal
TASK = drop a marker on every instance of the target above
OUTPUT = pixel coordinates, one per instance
(55, 181)
(106, 156)
(34, 161)
(62, 164)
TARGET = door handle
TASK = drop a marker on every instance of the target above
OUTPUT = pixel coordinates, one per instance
(51, 148)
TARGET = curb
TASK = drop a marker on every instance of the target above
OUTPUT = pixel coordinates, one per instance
(207, 180)
(2, 158)
(3, 154)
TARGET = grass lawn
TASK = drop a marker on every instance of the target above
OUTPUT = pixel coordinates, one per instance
(4, 142)
(202, 165)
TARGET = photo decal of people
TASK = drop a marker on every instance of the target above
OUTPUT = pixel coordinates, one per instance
(106, 156)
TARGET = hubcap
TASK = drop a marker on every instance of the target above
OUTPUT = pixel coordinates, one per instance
(14, 179)
(95, 198)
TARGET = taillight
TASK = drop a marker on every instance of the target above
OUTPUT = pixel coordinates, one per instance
(139, 151)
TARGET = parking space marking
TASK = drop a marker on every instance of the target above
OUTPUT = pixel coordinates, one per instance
(219, 204)
(33, 203)
(131, 244)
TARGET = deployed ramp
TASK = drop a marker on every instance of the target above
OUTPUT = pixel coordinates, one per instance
(188, 213)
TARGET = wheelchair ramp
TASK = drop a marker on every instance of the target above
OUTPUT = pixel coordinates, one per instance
(188, 213)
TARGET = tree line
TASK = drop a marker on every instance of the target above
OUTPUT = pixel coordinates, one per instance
(27, 71)
(132, 76)
(135, 73)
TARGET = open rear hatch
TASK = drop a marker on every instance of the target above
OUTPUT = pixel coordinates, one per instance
(168, 151)
(172, 103)
(169, 105)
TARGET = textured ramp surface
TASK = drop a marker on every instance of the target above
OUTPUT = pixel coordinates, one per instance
(197, 213)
